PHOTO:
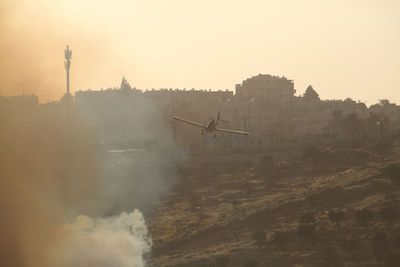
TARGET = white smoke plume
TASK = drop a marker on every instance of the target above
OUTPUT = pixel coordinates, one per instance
(51, 171)
(118, 241)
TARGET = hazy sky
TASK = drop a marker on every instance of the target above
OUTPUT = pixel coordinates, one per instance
(344, 48)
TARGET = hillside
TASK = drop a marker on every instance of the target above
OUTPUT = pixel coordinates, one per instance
(337, 207)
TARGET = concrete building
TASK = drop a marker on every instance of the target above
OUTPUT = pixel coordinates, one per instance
(266, 88)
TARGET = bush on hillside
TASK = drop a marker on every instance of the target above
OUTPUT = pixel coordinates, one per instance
(266, 163)
(250, 263)
(328, 254)
(311, 152)
(364, 216)
(260, 238)
(306, 231)
(392, 171)
(381, 147)
(306, 218)
(389, 214)
(280, 238)
(222, 261)
(379, 246)
(336, 217)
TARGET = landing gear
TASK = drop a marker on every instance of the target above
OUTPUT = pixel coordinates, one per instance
(202, 132)
(215, 136)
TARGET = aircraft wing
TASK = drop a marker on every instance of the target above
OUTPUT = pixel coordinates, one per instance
(188, 122)
(231, 131)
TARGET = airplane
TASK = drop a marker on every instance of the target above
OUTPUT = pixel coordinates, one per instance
(210, 126)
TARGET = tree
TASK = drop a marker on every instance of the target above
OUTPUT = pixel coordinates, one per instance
(352, 125)
(336, 114)
(335, 123)
(384, 102)
(347, 125)
(377, 123)
(125, 85)
(311, 95)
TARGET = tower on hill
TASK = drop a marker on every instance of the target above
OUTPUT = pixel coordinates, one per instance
(67, 65)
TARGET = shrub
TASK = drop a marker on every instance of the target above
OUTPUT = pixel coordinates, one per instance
(379, 246)
(379, 250)
(389, 214)
(379, 237)
(392, 171)
(328, 254)
(394, 258)
(396, 241)
(306, 231)
(280, 238)
(350, 244)
(381, 147)
(306, 218)
(336, 217)
(361, 155)
(250, 263)
(364, 216)
(311, 152)
(259, 237)
(266, 163)
(222, 261)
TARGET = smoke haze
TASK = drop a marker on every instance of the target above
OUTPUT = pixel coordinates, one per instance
(344, 49)
(64, 199)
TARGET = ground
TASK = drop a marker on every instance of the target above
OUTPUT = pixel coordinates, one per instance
(237, 210)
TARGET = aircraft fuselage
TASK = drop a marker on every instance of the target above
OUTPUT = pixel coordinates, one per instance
(211, 125)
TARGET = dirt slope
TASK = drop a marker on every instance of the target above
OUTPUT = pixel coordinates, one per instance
(223, 214)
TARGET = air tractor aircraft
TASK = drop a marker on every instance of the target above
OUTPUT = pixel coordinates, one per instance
(211, 126)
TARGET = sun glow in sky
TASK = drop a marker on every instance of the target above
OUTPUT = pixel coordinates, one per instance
(344, 48)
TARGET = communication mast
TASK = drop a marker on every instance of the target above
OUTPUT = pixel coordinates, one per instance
(67, 65)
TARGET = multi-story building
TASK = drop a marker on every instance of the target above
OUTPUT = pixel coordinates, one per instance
(266, 87)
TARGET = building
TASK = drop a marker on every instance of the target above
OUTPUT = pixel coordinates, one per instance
(267, 88)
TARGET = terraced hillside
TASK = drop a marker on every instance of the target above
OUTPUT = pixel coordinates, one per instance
(338, 208)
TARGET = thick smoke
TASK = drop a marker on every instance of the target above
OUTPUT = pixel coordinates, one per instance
(54, 163)
(115, 241)
(64, 198)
